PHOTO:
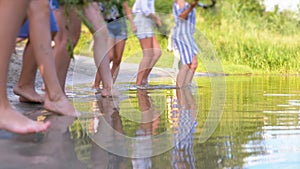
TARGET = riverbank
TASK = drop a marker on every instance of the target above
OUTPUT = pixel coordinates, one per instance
(246, 38)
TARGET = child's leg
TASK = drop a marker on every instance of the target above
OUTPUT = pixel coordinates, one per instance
(25, 87)
(10, 119)
(40, 37)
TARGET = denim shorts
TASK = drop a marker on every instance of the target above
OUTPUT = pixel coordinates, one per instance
(54, 4)
(144, 26)
(24, 31)
(118, 29)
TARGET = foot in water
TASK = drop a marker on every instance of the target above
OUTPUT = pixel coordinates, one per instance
(61, 105)
(109, 93)
(28, 95)
(13, 121)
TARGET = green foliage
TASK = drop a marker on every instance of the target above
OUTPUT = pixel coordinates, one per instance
(243, 33)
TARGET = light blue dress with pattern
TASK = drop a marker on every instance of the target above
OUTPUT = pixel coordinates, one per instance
(184, 34)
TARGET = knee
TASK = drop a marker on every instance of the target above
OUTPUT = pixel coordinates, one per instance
(157, 53)
(62, 40)
(193, 66)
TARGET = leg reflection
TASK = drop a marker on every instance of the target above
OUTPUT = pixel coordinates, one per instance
(184, 117)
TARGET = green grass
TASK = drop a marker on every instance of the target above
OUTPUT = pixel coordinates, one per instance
(245, 38)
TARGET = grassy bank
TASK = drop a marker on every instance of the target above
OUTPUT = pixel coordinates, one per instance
(246, 38)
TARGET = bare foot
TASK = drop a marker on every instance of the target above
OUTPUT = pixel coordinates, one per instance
(13, 121)
(109, 93)
(145, 83)
(97, 88)
(28, 95)
(60, 106)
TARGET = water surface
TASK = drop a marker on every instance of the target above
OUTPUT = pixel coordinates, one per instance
(259, 128)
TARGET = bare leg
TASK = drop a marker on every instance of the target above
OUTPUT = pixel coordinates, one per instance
(61, 54)
(156, 55)
(117, 58)
(181, 76)
(11, 120)
(145, 64)
(40, 37)
(111, 42)
(97, 80)
(100, 34)
(25, 87)
(192, 68)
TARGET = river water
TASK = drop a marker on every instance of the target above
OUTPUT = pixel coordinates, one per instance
(258, 126)
(248, 122)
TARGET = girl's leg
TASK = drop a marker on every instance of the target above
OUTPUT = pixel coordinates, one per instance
(181, 80)
(118, 53)
(62, 38)
(100, 34)
(156, 55)
(40, 38)
(25, 87)
(147, 47)
(97, 80)
(10, 119)
(111, 42)
(192, 68)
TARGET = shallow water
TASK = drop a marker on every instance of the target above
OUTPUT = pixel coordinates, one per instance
(259, 128)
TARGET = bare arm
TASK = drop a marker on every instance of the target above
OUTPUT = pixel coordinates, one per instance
(155, 18)
(185, 13)
(129, 15)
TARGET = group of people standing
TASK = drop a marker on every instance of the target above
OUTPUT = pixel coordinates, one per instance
(109, 34)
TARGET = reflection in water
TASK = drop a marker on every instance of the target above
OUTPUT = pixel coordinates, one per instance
(260, 128)
(184, 119)
(144, 132)
(52, 149)
(260, 123)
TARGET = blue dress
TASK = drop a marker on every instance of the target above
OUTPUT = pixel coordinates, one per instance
(183, 34)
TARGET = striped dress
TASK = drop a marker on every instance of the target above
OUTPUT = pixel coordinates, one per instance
(183, 34)
(182, 153)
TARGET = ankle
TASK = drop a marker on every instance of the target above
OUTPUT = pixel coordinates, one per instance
(53, 97)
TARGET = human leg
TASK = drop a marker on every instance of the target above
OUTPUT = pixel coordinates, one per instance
(111, 42)
(192, 68)
(145, 64)
(181, 76)
(25, 87)
(156, 55)
(40, 37)
(117, 58)
(10, 119)
(100, 48)
(62, 38)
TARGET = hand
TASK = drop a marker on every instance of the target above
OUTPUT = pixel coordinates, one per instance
(134, 29)
(195, 3)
